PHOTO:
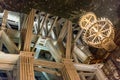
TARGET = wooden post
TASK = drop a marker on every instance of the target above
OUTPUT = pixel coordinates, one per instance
(29, 25)
(26, 57)
(10, 45)
(26, 66)
(43, 22)
(63, 32)
(69, 72)
(4, 21)
(49, 32)
(69, 41)
(1, 43)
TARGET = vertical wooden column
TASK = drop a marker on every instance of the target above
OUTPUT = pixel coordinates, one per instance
(26, 66)
(29, 30)
(69, 40)
(69, 72)
(26, 57)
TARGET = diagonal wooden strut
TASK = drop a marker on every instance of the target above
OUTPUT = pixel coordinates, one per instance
(10, 45)
(69, 41)
(4, 20)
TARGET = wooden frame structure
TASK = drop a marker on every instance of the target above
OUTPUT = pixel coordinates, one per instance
(26, 62)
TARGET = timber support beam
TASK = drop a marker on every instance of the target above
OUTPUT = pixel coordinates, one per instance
(69, 72)
(26, 66)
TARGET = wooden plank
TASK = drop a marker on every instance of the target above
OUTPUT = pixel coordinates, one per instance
(69, 71)
(48, 64)
(24, 24)
(37, 42)
(24, 27)
(49, 32)
(63, 32)
(78, 35)
(69, 41)
(47, 71)
(11, 58)
(75, 58)
(15, 35)
(9, 44)
(12, 33)
(1, 43)
(100, 74)
(56, 54)
(6, 66)
(86, 67)
(29, 30)
(4, 20)
(26, 66)
(42, 24)
(57, 29)
(10, 62)
(38, 17)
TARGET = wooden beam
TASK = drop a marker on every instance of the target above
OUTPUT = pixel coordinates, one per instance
(57, 29)
(24, 21)
(47, 71)
(26, 66)
(24, 28)
(63, 32)
(69, 72)
(15, 35)
(48, 64)
(42, 23)
(69, 41)
(4, 21)
(9, 44)
(1, 43)
(49, 32)
(8, 61)
(75, 58)
(86, 67)
(8, 58)
(12, 33)
(6, 66)
(37, 42)
(29, 30)
(56, 54)
(100, 74)
(38, 22)
(78, 35)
